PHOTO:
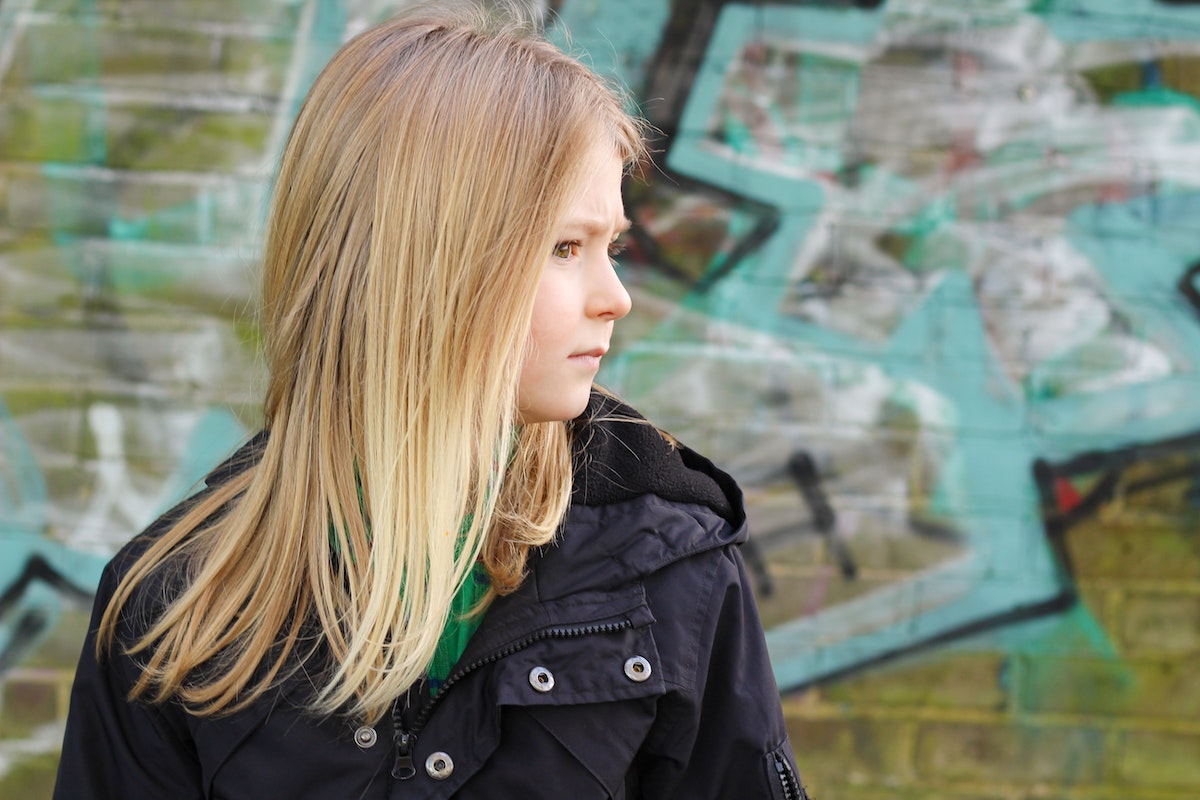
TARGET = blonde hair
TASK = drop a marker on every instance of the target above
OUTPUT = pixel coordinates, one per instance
(415, 206)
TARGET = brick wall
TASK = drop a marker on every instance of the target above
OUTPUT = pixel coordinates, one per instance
(136, 143)
(920, 275)
(1099, 703)
(899, 240)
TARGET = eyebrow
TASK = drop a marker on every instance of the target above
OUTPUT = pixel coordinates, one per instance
(597, 227)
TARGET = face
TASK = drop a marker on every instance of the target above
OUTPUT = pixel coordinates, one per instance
(578, 300)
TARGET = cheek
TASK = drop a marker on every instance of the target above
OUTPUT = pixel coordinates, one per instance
(535, 339)
(550, 324)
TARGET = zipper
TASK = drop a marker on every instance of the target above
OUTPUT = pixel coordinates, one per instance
(402, 768)
(405, 734)
(792, 790)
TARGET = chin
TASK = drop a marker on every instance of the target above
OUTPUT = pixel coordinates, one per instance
(561, 410)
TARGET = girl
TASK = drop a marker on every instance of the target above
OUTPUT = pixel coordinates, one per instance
(447, 567)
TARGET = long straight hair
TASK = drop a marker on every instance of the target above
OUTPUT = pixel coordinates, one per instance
(416, 203)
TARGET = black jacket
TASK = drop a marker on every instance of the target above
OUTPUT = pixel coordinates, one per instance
(630, 664)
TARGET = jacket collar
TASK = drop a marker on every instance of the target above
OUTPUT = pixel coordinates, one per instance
(640, 501)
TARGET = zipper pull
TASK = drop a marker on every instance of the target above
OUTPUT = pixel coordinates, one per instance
(403, 768)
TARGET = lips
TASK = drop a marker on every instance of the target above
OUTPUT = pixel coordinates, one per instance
(590, 358)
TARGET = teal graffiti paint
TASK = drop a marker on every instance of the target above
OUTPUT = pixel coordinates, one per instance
(992, 381)
(34, 570)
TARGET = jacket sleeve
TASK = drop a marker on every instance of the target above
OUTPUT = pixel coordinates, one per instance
(114, 747)
(722, 732)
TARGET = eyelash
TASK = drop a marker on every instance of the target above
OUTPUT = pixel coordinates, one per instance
(614, 249)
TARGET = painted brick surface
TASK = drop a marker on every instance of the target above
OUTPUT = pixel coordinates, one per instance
(1166, 688)
(1136, 549)
(921, 276)
(972, 681)
(1161, 623)
(1162, 759)
(855, 751)
(28, 704)
(989, 754)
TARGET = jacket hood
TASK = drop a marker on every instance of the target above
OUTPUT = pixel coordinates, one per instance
(640, 501)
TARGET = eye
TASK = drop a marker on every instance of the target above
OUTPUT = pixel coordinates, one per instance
(565, 250)
(615, 248)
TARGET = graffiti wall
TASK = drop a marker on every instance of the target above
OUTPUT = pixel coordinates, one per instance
(925, 276)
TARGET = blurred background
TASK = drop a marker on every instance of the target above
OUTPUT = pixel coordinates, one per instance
(923, 274)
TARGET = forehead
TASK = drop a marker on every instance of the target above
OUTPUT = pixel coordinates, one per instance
(597, 208)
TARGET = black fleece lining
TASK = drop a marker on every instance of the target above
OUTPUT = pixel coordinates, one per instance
(620, 456)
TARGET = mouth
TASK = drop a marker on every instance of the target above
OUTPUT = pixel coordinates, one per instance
(589, 358)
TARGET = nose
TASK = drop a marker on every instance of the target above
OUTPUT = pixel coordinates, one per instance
(608, 300)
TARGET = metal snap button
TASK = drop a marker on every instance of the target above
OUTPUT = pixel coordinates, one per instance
(637, 669)
(365, 737)
(541, 679)
(439, 766)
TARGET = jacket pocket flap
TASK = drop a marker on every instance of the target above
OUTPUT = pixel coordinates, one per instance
(574, 669)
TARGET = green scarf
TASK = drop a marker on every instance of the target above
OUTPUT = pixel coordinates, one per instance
(460, 624)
